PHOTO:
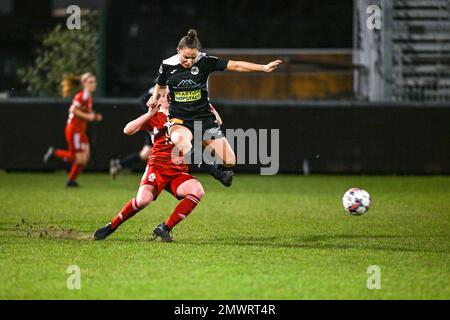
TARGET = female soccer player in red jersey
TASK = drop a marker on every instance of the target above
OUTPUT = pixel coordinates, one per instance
(186, 75)
(161, 173)
(116, 165)
(80, 113)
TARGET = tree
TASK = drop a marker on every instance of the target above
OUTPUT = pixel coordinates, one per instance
(63, 53)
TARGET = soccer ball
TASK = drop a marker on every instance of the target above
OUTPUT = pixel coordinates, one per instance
(356, 201)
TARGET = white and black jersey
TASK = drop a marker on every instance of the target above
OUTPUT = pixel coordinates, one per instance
(188, 96)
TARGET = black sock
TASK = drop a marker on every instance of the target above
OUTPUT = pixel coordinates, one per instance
(130, 160)
(224, 168)
(208, 166)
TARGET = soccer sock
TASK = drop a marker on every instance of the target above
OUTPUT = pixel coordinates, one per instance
(130, 160)
(64, 155)
(75, 171)
(128, 210)
(227, 166)
(183, 209)
(216, 169)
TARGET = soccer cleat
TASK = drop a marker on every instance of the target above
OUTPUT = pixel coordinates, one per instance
(163, 232)
(224, 176)
(114, 168)
(103, 232)
(49, 154)
(72, 184)
(227, 177)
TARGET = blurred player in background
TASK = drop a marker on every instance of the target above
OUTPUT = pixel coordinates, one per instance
(80, 113)
(186, 75)
(69, 85)
(161, 173)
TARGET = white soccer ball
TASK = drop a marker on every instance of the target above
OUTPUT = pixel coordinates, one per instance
(356, 201)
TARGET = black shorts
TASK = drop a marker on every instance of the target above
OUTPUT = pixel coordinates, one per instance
(208, 127)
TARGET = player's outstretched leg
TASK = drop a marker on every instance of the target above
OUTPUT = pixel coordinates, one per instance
(64, 155)
(191, 191)
(143, 199)
(223, 150)
(103, 232)
(224, 175)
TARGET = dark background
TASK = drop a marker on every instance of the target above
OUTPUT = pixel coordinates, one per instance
(139, 34)
(334, 137)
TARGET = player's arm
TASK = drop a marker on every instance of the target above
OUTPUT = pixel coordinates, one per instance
(136, 125)
(244, 66)
(158, 92)
(160, 87)
(89, 116)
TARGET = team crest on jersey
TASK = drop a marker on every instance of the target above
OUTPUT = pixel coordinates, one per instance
(195, 70)
(151, 177)
(160, 69)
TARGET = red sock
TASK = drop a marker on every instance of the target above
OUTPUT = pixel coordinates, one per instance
(64, 155)
(183, 209)
(75, 171)
(128, 210)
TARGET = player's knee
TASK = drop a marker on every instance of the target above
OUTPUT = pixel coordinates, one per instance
(80, 160)
(144, 200)
(181, 142)
(144, 203)
(198, 191)
(176, 138)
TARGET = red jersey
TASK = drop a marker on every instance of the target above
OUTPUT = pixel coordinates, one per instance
(161, 154)
(83, 101)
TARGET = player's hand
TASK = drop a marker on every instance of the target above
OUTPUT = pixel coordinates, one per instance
(272, 65)
(152, 102)
(95, 116)
(151, 111)
(91, 116)
(98, 117)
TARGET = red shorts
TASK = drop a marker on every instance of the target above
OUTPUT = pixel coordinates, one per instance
(77, 140)
(162, 179)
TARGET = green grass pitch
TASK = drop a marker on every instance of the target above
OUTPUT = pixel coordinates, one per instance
(278, 237)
